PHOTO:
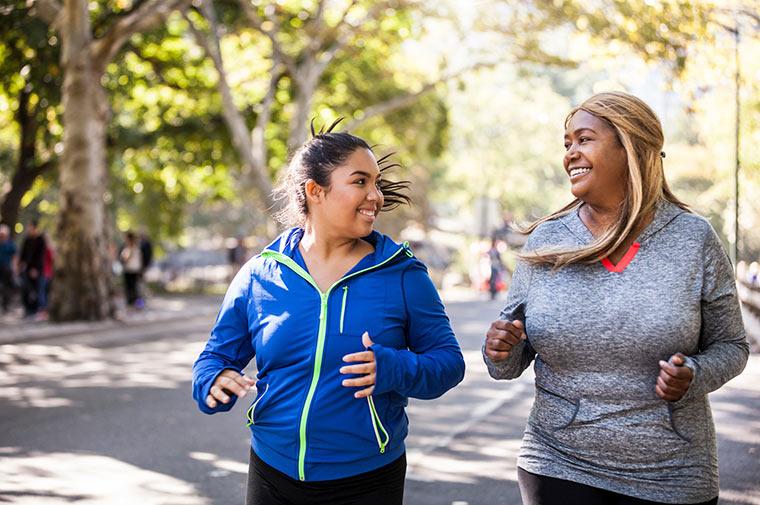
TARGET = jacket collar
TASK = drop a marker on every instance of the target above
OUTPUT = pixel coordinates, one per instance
(385, 247)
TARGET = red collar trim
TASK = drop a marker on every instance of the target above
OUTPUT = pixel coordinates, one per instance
(624, 261)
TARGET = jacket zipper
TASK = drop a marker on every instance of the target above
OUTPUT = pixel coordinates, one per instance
(376, 423)
(343, 307)
(290, 263)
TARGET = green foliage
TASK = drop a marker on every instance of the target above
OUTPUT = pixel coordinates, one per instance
(168, 147)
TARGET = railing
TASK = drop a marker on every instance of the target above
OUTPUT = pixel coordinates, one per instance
(749, 296)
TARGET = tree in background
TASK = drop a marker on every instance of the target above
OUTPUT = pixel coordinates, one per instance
(82, 263)
(30, 83)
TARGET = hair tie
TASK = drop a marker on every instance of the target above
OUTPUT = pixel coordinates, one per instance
(662, 154)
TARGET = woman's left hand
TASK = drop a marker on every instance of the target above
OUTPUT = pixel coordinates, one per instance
(367, 367)
(674, 379)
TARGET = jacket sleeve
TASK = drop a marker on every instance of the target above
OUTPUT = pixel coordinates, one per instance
(522, 354)
(230, 345)
(723, 346)
(433, 362)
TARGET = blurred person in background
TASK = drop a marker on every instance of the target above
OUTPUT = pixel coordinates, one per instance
(496, 276)
(31, 263)
(237, 256)
(625, 348)
(146, 259)
(131, 261)
(8, 267)
(46, 279)
(345, 325)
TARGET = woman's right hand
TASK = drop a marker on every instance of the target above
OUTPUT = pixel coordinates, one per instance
(228, 383)
(501, 337)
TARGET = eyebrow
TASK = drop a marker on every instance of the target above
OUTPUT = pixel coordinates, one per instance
(576, 132)
(362, 172)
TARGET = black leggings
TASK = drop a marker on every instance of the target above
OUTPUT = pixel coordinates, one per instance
(542, 490)
(268, 486)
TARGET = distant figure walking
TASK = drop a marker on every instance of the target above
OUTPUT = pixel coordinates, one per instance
(237, 256)
(626, 347)
(131, 260)
(31, 264)
(8, 267)
(496, 277)
(146, 256)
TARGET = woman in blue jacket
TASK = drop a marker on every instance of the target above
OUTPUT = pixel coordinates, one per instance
(345, 325)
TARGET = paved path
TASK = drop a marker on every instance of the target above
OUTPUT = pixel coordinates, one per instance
(104, 416)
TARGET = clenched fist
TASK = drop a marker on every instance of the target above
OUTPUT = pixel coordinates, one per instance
(674, 379)
(501, 337)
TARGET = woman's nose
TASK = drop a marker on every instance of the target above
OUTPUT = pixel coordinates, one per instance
(374, 194)
(570, 154)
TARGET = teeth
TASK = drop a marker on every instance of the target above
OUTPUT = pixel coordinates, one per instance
(368, 213)
(579, 171)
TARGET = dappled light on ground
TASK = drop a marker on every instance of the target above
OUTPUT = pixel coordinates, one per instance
(475, 434)
(32, 373)
(87, 479)
(223, 466)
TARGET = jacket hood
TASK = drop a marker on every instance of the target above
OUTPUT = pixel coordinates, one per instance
(665, 212)
(385, 247)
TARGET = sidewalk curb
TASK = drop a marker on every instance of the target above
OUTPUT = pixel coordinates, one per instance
(48, 330)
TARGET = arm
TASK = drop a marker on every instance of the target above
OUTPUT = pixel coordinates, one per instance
(230, 345)
(723, 346)
(433, 364)
(521, 354)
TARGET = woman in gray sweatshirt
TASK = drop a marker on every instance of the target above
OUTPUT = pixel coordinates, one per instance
(625, 348)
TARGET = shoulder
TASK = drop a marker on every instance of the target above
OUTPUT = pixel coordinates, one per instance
(693, 223)
(696, 229)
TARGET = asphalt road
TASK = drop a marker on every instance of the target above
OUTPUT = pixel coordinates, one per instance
(105, 417)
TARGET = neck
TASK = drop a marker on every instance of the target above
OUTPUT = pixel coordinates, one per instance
(599, 218)
(323, 245)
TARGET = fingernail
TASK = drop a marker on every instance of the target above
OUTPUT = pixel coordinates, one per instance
(663, 363)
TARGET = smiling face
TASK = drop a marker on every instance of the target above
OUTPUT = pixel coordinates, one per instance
(595, 161)
(349, 207)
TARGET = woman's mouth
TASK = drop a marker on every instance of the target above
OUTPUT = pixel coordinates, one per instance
(370, 214)
(579, 172)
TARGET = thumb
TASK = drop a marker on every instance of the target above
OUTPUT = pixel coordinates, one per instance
(677, 359)
(518, 324)
(366, 341)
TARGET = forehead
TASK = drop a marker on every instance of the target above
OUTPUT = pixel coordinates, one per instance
(582, 119)
(362, 160)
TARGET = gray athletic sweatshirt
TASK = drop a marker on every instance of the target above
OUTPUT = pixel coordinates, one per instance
(596, 337)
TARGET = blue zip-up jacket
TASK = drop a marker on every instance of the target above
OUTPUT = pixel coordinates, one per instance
(304, 422)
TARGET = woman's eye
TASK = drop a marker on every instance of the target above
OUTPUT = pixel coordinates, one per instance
(584, 139)
(567, 146)
(361, 181)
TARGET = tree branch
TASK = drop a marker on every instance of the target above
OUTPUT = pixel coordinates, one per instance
(50, 11)
(146, 17)
(399, 102)
(277, 49)
(253, 171)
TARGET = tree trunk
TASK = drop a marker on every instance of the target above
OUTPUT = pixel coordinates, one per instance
(26, 169)
(306, 86)
(82, 287)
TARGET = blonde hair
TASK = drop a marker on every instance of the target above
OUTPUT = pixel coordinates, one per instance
(640, 133)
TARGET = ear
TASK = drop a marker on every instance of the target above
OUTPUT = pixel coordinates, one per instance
(314, 192)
